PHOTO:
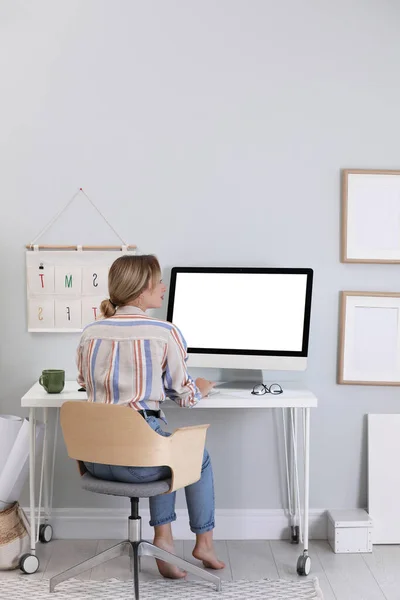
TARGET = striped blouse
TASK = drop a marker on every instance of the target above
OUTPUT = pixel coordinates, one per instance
(135, 360)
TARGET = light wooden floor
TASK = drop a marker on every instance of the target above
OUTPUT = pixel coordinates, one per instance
(373, 576)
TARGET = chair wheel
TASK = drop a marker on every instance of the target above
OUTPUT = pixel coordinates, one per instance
(304, 565)
(45, 533)
(29, 563)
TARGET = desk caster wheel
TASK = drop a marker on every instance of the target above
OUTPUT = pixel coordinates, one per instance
(29, 563)
(304, 565)
(294, 534)
(45, 533)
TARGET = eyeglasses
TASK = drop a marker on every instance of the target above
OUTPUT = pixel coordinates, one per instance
(260, 389)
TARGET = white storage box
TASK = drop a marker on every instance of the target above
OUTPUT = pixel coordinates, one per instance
(350, 531)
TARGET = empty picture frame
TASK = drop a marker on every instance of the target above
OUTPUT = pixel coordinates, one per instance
(369, 340)
(370, 216)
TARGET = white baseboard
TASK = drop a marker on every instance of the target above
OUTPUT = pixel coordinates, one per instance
(231, 524)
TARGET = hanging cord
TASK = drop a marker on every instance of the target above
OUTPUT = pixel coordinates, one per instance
(51, 223)
(54, 219)
(101, 214)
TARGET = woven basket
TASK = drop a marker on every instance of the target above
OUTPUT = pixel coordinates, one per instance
(14, 536)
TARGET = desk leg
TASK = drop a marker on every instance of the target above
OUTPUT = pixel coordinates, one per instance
(304, 561)
(297, 533)
(44, 530)
(29, 563)
(53, 462)
(32, 437)
(292, 477)
(47, 530)
(46, 509)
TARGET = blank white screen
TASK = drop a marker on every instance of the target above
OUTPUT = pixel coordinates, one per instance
(247, 311)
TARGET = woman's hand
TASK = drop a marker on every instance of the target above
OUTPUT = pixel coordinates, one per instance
(204, 386)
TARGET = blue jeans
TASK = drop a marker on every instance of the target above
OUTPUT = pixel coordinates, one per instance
(199, 495)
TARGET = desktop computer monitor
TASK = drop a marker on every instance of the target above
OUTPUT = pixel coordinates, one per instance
(243, 318)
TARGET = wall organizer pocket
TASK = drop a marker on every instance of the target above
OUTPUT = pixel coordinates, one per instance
(66, 284)
(370, 216)
(369, 347)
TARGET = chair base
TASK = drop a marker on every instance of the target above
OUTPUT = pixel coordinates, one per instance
(135, 549)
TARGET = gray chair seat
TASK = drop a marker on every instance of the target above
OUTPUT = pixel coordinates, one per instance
(119, 488)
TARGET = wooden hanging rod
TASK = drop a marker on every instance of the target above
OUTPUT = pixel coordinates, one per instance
(53, 247)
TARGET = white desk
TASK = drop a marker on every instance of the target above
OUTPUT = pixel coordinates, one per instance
(238, 397)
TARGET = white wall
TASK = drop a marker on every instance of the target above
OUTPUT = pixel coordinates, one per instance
(209, 133)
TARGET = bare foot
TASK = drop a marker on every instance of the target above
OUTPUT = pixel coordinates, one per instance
(208, 557)
(166, 569)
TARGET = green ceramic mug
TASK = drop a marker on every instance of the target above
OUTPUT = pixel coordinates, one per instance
(53, 380)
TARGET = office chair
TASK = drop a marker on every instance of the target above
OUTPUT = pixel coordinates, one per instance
(117, 435)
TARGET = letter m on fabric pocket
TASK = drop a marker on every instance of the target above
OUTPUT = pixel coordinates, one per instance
(68, 281)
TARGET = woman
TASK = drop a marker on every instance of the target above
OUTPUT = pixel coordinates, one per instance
(134, 360)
